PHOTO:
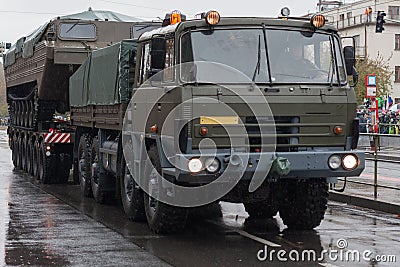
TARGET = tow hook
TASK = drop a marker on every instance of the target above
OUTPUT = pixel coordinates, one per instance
(280, 167)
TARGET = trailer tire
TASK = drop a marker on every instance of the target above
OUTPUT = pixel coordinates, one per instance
(28, 153)
(131, 195)
(303, 203)
(161, 217)
(83, 163)
(35, 159)
(19, 153)
(15, 152)
(98, 179)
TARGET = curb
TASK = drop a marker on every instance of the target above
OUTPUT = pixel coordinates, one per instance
(365, 202)
(383, 157)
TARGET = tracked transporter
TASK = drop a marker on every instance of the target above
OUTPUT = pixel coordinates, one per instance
(37, 71)
(150, 127)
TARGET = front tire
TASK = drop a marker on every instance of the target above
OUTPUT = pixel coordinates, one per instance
(303, 203)
(131, 196)
(161, 217)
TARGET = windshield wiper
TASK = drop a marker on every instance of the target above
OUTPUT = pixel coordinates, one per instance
(267, 54)
(73, 26)
(258, 65)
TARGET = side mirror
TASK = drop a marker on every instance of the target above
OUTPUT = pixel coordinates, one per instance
(8, 45)
(157, 53)
(350, 59)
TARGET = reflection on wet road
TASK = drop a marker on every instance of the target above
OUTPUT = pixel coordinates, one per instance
(54, 225)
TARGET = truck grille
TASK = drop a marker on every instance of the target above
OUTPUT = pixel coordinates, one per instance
(286, 130)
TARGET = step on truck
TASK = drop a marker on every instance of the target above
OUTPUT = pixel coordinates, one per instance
(150, 127)
(37, 70)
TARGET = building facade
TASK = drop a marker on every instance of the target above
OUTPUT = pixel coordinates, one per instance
(358, 20)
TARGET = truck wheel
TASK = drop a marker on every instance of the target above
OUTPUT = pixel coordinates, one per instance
(162, 218)
(131, 195)
(46, 166)
(84, 165)
(35, 159)
(303, 203)
(261, 210)
(97, 180)
(267, 208)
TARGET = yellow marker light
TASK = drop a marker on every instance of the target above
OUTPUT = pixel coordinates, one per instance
(175, 17)
(318, 21)
(212, 17)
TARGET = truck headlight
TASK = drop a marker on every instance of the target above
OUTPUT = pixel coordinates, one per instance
(195, 165)
(335, 162)
(212, 165)
(350, 162)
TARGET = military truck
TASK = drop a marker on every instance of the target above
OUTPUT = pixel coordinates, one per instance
(300, 127)
(37, 71)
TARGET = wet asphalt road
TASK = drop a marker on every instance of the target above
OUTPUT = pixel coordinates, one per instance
(53, 225)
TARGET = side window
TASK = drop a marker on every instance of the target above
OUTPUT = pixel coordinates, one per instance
(169, 60)
(340, 63)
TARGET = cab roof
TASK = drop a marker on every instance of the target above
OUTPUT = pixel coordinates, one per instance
(300, 23)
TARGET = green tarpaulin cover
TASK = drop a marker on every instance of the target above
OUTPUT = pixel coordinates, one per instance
(104, 78)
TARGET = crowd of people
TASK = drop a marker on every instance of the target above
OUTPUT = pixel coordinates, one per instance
(389, 122)
(4, 121)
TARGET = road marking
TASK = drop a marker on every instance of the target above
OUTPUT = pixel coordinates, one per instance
(289, 242)
(256, 238)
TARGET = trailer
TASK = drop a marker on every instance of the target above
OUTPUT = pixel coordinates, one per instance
(37, 71)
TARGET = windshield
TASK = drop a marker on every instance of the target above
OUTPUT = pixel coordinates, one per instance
(293, 56)
(77, 31)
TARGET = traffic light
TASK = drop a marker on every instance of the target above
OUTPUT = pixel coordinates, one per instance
(380, 21)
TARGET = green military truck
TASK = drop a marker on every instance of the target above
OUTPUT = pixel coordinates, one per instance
(150, 127)
(37, 70)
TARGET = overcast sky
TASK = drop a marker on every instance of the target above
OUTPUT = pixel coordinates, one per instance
(19, 17)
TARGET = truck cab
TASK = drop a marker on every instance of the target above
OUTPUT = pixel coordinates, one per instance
(260, 106)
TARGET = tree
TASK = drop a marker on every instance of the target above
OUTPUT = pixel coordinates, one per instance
(381, 68)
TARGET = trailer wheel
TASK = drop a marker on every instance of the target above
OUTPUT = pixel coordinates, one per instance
(28, 153)
(161, 218)
(19, 153)
(23, 154)
(35, 159)
(131, 195)
(98, 180)
(303, 203)
(14, 152)
(83, 169)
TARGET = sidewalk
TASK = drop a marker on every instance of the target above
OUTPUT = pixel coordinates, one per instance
(388, 200)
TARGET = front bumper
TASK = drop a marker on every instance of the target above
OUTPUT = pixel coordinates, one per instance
(303, 165)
